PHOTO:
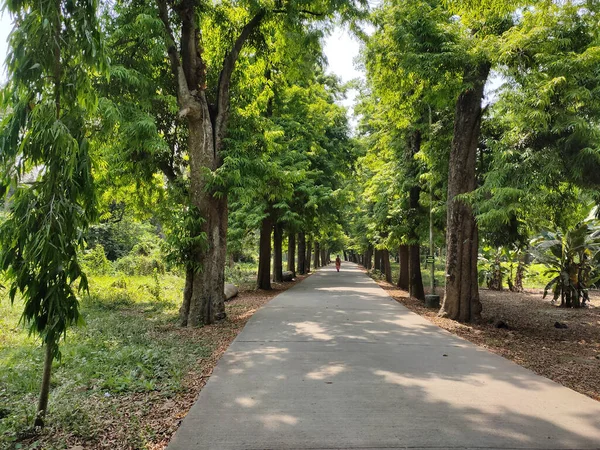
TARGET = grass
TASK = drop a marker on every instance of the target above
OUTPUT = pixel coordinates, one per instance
(116, 353)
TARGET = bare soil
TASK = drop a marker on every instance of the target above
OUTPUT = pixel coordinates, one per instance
(570, 356)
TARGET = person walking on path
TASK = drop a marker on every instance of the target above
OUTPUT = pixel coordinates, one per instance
(338, 263)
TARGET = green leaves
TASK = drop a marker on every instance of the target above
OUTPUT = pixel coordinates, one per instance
(44, 157)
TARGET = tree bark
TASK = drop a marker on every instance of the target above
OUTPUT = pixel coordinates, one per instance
(403, 277)
(317, 255)
(309, 245)
(277, 253)
(206, 129)
(291, 262)
(414, 268)
(45, 388)
(263, 279)
(387, 267)
(369, 258)
(301, 253)
(377, 262)
(184, 310)
(461, 299)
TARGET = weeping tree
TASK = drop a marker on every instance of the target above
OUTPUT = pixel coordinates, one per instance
(55, 49)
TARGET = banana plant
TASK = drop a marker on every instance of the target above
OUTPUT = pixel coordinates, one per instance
(491, 270)
(571, 257)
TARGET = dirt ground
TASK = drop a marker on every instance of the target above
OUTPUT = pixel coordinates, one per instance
(569, 356)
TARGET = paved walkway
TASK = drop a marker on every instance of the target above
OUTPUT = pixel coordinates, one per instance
(334, 363)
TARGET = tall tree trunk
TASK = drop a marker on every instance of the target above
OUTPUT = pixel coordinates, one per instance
(324, 260)
(309, 245)
(377, 263)
(45, 388)
(317, 255)
(369, 258)
(415, 280)
(414, 268)
(207, 124)
(207, 302)
(277, 253)
(403, 277)
(263, 279)
(387, 267)
(291, 262)
(301, 253)
(461, 299)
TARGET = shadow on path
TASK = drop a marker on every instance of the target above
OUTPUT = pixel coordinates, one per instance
(334, 363)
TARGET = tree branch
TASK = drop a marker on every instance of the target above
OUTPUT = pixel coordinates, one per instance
(183, 92)
(222, 104)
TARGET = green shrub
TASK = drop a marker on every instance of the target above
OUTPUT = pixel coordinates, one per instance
(95, 261)
(140, 265)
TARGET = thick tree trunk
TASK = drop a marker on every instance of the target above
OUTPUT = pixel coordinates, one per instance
(45, 388)
(207, 302)
(403, 277)
(206, 129)
(291, 262)
(301, 253)
(277, 253)
(369, 258)
(307, 258)
(387, 267)
(377, 262)
(324, 259)
(263, 279)
(461, 299)
(317, 255)
(414, 268)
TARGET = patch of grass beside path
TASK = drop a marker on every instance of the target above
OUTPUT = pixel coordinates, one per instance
(570, 356)
(126, 378)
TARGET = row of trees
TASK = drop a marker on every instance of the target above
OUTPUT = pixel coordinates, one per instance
(194, 109)
(495, 169)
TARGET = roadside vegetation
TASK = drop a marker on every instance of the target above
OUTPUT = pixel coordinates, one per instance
(152, 153)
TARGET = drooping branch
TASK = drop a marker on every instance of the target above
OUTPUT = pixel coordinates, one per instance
(222, 104)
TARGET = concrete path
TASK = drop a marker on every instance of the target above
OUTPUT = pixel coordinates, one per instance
(334, 363)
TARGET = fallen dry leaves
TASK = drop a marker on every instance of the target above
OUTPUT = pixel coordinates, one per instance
(568, 356)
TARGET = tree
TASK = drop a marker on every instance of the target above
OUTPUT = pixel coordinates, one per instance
(571, 259)
(204, 43)
(55, 51)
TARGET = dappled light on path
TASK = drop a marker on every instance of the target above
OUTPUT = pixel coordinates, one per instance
(312, 329)
(330, 365)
